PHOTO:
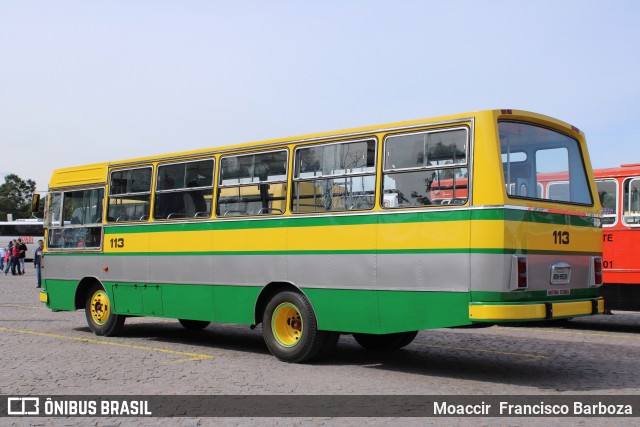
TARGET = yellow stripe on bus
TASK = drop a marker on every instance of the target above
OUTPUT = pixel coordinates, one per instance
(434, 235)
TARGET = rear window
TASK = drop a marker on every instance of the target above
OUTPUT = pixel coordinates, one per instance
(535, 158)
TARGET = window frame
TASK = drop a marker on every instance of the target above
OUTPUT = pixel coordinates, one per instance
(49, 226)
(624, 216)
(615, 215)
(535, 149)
(466, 165)
(155, 190)
(218, 186)
(295, 179)
(150, 192)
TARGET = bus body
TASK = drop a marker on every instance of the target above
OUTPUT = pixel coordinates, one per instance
(619, 192)
(339, 232)
(28, 230)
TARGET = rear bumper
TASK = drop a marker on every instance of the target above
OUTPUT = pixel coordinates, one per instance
(501, 312)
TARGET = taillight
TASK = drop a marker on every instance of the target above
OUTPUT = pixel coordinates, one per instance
(522, 272)
(597, 271)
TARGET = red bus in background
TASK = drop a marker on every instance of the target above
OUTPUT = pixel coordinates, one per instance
(619, 191)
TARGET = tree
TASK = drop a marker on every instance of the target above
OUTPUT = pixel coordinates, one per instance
(15, 197)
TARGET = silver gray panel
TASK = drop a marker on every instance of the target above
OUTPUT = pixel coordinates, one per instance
(493, 272)
(434, 272)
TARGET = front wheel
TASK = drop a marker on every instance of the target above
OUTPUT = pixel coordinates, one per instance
(290, 329)
(386, 341)
(100, 316)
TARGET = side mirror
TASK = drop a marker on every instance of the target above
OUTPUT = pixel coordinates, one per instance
(35, 202)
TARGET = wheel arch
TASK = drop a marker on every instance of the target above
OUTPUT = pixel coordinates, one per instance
(267, 292)
(83, 288)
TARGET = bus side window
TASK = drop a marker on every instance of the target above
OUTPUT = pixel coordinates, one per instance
(184, 190)
(253, 184)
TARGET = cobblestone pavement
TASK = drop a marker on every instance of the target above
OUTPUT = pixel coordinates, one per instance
(54, 353)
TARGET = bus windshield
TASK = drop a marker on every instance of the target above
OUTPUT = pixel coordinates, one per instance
(530, 152)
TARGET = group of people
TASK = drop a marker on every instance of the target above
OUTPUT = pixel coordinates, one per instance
(13, 255)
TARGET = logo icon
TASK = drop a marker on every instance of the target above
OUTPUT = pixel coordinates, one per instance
(23, 406)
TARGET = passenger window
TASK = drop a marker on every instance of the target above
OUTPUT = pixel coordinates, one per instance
(334, 177)
(608, 193)
(81, 214)
(129, 195)
(184, 190)
(631, 202)
(252, 184)
(426, 169)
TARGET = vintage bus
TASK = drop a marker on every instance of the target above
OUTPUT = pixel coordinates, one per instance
(619, 191)
(335, 233)
(28, 230)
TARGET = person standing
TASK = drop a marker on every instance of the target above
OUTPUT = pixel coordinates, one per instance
(9, 256)
(2, 255)
(37, 263)
(22, 247)
(15, 258)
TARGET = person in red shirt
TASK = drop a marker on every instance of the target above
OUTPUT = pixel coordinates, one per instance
(15, 258)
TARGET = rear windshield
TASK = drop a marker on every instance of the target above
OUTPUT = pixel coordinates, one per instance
(540, 163)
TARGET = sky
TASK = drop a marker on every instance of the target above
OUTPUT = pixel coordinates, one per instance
(91, 81)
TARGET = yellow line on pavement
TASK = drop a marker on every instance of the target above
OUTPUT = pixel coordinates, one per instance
(193, 356)
(527, 357)
(39, 307)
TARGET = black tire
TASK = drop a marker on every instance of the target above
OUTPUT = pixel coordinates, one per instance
(385, 342)
(290, 329)
(329, 344)
(194, 325)
(99, 313)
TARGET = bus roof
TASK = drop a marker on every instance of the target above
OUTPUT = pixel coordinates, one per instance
(622, 171)
(97, 173)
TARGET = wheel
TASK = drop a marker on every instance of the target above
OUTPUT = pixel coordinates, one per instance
(385, 341)
(194, 325)
(100, 316)
(290, 329)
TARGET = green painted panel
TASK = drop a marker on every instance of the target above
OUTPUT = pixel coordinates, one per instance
(127, 298)
(367, 311)
(61, 294)
(345, 310)
(193, 302)
(152, 300)
(382, 312)
(414, 311)
(235, 304)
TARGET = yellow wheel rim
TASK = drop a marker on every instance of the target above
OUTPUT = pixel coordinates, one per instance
(286, 324)
(100, 307)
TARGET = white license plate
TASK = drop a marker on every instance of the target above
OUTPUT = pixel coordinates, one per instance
(560, 273)
(555, 292)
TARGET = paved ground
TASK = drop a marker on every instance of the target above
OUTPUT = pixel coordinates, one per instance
(47, 353)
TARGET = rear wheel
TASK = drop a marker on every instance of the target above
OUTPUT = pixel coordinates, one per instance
(385, 341)
(290, 329)
(100, 316)
(193, 325)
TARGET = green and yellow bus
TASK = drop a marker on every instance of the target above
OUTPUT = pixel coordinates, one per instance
(337, 232)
